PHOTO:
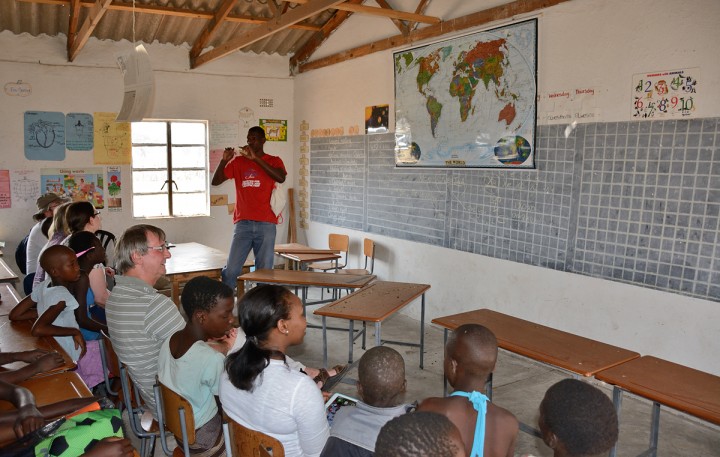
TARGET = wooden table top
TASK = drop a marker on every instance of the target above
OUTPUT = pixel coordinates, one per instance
(308, 278)
(562, 349)
(686, 389)
(53, 388)
(194, 257)
(374, 303)
(8, 298)
(16, 337)
(297, 248)
(6, 273)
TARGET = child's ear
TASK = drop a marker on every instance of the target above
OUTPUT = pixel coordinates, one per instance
(200, 316)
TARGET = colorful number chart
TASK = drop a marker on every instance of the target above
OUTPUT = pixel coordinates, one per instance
(665, 94)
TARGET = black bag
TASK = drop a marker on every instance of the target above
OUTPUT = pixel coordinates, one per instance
(21, 255)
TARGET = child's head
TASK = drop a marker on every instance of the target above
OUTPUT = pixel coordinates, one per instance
(209, 304)
(60, 263)
(470, 352)
(419, 434)
(381, 376)
(577, 419)
(88, 248)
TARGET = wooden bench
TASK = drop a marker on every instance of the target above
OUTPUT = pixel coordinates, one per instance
(8, 298)
(665, 383)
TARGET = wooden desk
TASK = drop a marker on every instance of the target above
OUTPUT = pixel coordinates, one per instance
(304, 279)
(685, 389)
(8, 298)
(300, 254)
(16, 337)
(189, 260)
(53, 388)
(375, 303)
(6, 273)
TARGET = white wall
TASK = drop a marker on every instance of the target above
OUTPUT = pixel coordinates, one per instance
(581, 43)
(93, 83)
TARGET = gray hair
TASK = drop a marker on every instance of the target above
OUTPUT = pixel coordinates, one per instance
(134, 240)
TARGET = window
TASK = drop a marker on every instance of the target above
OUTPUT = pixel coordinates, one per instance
(170, 169)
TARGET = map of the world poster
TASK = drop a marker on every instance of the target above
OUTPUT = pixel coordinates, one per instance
(469, 101)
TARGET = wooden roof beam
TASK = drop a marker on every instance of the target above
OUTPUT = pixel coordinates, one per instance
(389, 13)
(420, 10)
(263, 31)
(73, 23)
(96, 13)
(404, 29)
(502, 12)
(171, 11)
(212, 26)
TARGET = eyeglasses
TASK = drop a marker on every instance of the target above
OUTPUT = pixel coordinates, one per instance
(161, 248)
(97, 213)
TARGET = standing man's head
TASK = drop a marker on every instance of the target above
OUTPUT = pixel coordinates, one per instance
(256, 139)
(381, 376)
(577, 419)
(470, 355)
(46, 204)
(141, 252)
(419, 434)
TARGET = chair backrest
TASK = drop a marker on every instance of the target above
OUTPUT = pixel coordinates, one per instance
(248, 443)
(340, 243)
(105, 238)
(172, 404)
(369, 251)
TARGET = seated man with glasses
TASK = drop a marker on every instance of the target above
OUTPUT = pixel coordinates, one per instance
(139, 318)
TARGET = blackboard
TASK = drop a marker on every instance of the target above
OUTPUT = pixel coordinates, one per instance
(637, 202)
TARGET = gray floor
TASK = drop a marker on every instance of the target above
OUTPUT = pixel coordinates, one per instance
(519, 385)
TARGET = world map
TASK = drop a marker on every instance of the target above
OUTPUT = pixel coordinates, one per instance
(469, 101)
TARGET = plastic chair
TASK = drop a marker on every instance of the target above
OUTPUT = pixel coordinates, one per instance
(105, 238)
(369, 251)
(336, 242)
(240, 441)
(176, 414)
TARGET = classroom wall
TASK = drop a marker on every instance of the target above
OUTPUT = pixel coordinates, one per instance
(582, 43)
(94, 83)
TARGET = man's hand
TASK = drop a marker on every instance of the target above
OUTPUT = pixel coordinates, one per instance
(228, 154)
(48, 362)
(29, 419)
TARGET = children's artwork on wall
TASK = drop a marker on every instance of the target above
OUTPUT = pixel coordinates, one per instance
(223, 134)
(663, 94)
(246, 116)
(78, 184)
(25, 188)
(112, 140)
(5, 201)
(114, 189)
(275, 129)
(18, 89)
(79, 131)
(376, 119)
(44, 135)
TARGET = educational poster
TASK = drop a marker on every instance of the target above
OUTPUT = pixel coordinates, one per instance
(77, 184)
(665, 94)
(376, 119)
(114, 189)
(79, 131)
(247, 117)
(223, 134)
(5, 201)
(112, 141)
(44, 135)
(275, 129)
(18, 89)
(468, 102)
(25, 188)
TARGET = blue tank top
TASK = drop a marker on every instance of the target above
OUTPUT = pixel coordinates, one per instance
(479, 402)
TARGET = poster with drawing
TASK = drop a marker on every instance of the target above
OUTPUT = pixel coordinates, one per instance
(78, 184)
(44, 135)
(5, 189)
(112, 140)
(665, 94)
(79, 131)
(114, 189)
(25, 188)
(275, 129)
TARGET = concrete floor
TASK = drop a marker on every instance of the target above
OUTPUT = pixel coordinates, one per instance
(519, 385)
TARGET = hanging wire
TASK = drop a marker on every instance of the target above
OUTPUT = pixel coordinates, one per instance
(133, 22)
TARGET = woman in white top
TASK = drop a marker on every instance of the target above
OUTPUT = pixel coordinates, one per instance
(259, 390)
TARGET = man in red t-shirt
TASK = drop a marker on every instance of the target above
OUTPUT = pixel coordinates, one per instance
(255, 174)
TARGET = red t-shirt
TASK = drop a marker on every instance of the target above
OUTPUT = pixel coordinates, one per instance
(253, 188)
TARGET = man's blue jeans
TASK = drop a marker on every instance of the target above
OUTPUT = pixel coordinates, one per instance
(258, 236)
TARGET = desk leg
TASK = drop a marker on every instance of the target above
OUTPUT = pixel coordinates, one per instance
(445, 337)
(351, 340)
(176, 291)
(422, 331)
(240, 288)
(324, 343)
(617, 402)
(654, 429)
(378, 337)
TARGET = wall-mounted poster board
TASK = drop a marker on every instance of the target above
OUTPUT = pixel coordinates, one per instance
(469, 101)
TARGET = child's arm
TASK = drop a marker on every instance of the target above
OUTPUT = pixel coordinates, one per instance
(27, 418)
(44, 327)
(49, 361)
(24, 311)
(79, 291)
